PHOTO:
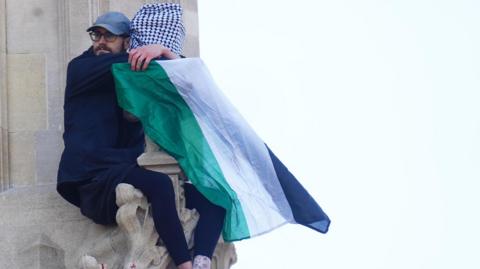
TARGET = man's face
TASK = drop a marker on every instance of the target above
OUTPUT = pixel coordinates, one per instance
(107, 42)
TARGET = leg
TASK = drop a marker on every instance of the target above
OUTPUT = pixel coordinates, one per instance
(158, 189)
(209, 225)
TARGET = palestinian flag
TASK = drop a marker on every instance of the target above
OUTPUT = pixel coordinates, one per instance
(184, 112)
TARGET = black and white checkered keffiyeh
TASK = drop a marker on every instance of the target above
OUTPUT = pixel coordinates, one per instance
(158, 24)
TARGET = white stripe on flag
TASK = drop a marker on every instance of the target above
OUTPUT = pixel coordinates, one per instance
(241, 154)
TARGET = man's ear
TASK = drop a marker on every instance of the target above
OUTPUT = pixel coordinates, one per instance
(126, 43)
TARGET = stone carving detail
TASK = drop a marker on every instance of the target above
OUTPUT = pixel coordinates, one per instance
(42, 253)
(140, 237)
(224, 256)
(134, 243)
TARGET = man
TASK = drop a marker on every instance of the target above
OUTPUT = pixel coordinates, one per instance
(101, 146)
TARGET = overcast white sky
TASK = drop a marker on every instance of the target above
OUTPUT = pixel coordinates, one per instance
(374, 106)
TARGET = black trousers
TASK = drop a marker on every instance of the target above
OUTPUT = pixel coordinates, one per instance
(158, 189)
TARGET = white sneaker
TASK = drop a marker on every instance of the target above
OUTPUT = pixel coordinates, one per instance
(201, 262)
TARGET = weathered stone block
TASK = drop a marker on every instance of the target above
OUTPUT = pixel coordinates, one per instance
(4, 166)
(191, 49)
(26, 92)
(190, 5)
(22, 158)
(129, 8)
(190, 20)
(49, 146)
(3, 26)
(191, 46)
(4, 177)
(3, 65)
(42, 253)
(32, 25)
(78, 18)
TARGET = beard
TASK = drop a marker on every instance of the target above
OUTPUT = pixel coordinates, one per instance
(101, 49)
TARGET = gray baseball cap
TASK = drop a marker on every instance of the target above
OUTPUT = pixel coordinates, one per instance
(115, 22)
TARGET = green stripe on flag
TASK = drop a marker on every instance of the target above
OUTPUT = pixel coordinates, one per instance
(167, 120)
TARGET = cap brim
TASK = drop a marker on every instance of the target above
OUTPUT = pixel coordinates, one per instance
(107, 27)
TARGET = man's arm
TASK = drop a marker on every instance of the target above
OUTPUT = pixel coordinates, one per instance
(90, 73)
(140, 57)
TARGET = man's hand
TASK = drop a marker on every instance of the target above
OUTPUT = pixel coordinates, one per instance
(140, 57)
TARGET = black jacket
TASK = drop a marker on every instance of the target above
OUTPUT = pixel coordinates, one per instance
(100, 145)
